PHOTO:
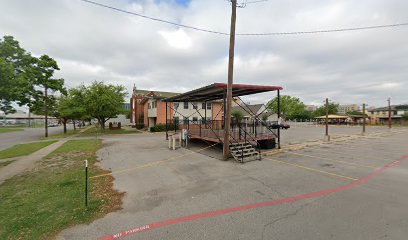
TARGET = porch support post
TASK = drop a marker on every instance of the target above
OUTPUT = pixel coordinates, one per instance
(279, 115)
(205, 113)
(167, 134)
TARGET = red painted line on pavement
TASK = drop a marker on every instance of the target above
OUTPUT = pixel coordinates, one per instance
(250, 206)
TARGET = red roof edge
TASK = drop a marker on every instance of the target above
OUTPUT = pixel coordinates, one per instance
(246, 86)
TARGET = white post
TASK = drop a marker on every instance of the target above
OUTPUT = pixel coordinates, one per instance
(180, 139)
(169, 142)
(174, 143)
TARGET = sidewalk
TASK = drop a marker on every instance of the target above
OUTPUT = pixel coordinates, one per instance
(27, 162)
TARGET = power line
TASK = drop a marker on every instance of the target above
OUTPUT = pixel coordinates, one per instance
(249, 34)
(250, 2)
(326, 31)
(153, 18)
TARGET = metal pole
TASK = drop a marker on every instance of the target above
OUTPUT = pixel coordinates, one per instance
(279, 116)
(364, 119)
(327, 117)
(86, 183)
(205, 113)
(389, 113)
(167, 133)
(230, 79)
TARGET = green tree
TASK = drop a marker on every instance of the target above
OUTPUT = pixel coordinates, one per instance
(16, 67)
(405, 116)
(321, 111)
(104, 101)
(290, 108)
(355, 113)
(237, 115)
(43, 79)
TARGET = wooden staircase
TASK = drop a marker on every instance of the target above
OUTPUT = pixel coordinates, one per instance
(244, 152)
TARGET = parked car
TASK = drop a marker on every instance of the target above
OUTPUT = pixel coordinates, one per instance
(53, 125)
(282, 126)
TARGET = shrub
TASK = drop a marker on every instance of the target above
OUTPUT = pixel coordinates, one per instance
(139, 126)
(162, 128)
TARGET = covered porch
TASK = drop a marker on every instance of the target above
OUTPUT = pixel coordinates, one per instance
(255, 130)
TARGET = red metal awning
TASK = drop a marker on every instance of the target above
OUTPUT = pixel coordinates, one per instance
(216, 91)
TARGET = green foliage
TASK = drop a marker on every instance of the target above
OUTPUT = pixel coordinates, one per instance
(128, 114)
(290, 107)
(23, 149)
(321, 111)
(103, 101)
(358, 113)
(264, 117)
(6, 130)
(25, 79)
(71, 105)
(139, 126)
(162, 128)
(6, 107)
(52, 196)
(237, 115)
(16, 67)
(158, 128)
(405, 116)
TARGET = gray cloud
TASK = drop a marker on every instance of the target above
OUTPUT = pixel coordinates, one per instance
(92, 43)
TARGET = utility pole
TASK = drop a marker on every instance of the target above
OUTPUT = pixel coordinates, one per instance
(327, 137)
(364, 119)
(230, 80)
(389, 113)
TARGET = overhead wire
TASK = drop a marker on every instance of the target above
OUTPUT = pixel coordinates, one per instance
(248, 34)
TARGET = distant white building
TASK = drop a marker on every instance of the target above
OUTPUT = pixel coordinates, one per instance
(23, 117)
(343, 109)
(311, 107)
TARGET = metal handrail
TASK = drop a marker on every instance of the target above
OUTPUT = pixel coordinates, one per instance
(254, 114)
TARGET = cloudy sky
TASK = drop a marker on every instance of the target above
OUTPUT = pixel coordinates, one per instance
(95, 43)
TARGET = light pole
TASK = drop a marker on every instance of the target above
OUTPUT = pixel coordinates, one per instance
(389, 113)
(327, 136)
(364, 119)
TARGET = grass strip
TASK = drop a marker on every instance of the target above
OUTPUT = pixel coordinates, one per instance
(62, 135)
(97, 131)
(23, 149)
(45, 201)
(7, 130)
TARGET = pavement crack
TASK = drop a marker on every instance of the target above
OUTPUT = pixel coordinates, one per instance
(267, 186)
(286, 216)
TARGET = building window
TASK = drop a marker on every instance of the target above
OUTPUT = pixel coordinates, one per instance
(195, 105)
(176, 119)
(185, 120)
(209, 106)
(148, 106)
(195, 119)
(203, 106)
(176, 105)
(186, 105)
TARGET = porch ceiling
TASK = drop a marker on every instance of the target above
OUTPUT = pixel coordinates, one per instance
(216, 91)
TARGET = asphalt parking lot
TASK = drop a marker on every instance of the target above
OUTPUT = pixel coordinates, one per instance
(351, 188)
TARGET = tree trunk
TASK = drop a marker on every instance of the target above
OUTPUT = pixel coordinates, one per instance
(102, 123)
(73, 122)
(65, 125)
